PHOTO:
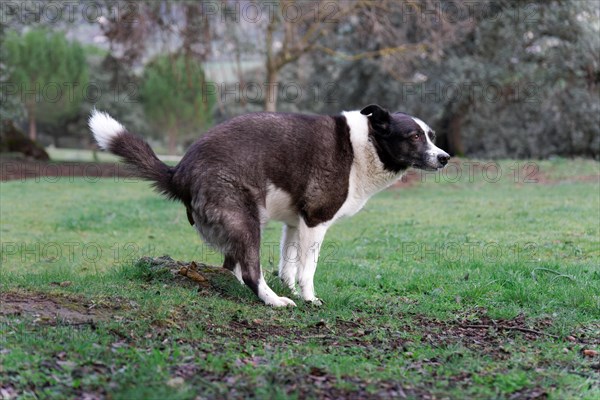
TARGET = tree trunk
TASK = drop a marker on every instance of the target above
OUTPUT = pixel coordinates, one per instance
(172, 140)
(272, 70)
(451, 129)
(32, 124)
(271, 90)
(455, 143)
(240, 72)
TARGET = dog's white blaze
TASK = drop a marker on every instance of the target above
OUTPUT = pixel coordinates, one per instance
(432, 150)
(367, 174)
(423, 126)
(104, 128)
(268, 296)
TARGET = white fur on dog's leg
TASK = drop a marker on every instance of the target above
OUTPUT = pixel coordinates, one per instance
(311, 240)
(289, 257)
(237, 272)
(268, 296)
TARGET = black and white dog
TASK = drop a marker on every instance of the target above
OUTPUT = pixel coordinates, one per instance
(304, 170)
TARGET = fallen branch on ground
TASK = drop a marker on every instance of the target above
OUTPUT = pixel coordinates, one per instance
(511, 328)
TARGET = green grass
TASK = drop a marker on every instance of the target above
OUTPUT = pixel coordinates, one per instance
(402, 282)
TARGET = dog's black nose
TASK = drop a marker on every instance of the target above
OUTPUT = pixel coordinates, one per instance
(443, 158)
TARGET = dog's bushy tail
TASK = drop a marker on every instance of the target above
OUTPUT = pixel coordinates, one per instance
(134, 150)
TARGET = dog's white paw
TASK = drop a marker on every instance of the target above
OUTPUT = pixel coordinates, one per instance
(270, 298)
(315, 301)
(279, 302)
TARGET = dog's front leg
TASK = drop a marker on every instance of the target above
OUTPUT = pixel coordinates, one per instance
(311, 240)
(290, 257)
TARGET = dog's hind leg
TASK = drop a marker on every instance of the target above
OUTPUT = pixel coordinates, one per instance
(235, 268)
(290, 257)
(244, 250)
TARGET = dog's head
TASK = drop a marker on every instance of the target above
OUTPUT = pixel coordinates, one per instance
(403, 141)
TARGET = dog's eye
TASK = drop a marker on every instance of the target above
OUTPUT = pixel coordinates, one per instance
(416, 136)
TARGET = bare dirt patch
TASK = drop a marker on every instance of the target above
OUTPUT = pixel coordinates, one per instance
(484, 335)
(298, 382)
(51, 309)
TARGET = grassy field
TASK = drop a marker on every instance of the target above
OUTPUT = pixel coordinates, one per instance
(474, 286)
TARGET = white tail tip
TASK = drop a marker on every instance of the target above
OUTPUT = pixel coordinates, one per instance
(104, 128)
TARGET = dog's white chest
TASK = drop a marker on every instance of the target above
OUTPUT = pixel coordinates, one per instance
(360, 189)
(355, 201)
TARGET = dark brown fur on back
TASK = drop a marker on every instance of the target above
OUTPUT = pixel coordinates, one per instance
(308, 157)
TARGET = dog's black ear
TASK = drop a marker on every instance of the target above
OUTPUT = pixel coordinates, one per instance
(375, 112)
(378, 117)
